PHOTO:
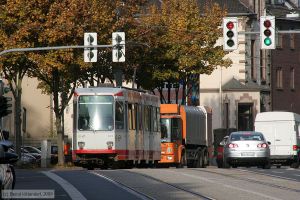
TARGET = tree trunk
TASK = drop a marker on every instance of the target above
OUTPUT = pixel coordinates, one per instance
(183, 93)
(169, 92)
(60, 140)
(60, 136)
(176, 93)
(18, 110)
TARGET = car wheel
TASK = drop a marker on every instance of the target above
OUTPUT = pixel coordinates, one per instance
(13, 175)
(225, 163)
(219, 163)
(182, 161)
(205, 160)
(200, 160)
(296, 163)
(267, 165)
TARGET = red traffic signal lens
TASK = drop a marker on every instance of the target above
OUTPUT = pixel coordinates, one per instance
(230, 25)
(267, 33)
(267, 23)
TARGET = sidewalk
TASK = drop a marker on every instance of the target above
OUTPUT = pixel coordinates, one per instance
(34, 179)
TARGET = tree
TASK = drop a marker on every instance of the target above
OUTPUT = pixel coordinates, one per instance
(183, 34)
(20, 24)
(65, 24)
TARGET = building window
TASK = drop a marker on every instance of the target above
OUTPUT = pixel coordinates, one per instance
(279, 84)
(278, 39)
(253, 69)
(226, 112)
(262, 67)
(292, 41)
(292, 79)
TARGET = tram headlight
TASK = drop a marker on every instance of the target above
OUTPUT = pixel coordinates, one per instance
(81, 145)
(110, 144)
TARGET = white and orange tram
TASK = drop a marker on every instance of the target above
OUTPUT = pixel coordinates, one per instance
(115, 126)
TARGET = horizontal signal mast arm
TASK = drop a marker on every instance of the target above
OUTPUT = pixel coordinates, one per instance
(54, 48)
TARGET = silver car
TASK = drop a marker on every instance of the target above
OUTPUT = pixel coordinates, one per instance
(247, 148)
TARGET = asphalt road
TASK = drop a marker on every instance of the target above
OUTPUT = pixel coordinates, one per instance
(170, 183)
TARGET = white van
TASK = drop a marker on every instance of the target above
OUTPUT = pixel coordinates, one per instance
(282, 129)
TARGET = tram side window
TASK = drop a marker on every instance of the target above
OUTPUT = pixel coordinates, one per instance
(119, 115)
(131, 117)
(147, 118)
(140, 117)
(154, 112)
(158, 119)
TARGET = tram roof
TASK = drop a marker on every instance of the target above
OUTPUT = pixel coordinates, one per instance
(107, 90)
(131, 95)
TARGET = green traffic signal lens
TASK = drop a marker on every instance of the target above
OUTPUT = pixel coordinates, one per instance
(230, 43)
(267, 41)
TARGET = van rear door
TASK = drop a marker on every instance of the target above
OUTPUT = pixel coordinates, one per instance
(284, 131)
(267, 129)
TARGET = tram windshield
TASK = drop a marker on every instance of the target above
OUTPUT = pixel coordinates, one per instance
(95, 113)
(170, 129)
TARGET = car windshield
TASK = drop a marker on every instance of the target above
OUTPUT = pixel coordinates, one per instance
(32, 149)
(246, 136)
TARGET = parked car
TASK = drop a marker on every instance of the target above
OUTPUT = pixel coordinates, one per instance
(7, 172)
(26, 158)
(220, 151)
(247, 148)
(35, 152)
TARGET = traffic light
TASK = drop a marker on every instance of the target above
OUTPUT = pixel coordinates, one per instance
(118, 42)
(267, 32)
(230, 33)
(4, 106)
(90, 54)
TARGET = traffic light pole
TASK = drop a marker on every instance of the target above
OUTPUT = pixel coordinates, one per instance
(53, 48)
(257, 32)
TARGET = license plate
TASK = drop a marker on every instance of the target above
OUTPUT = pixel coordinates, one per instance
(248, 154)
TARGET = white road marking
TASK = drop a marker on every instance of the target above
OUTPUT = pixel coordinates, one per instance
(289, 169)
(68, 187)
(128, 189)
(297, 174)
(267, 174)
(231, 187)
(277, 172)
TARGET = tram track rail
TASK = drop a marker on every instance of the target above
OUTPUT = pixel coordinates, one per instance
(147, 196)
(198, 195)
(264, 183)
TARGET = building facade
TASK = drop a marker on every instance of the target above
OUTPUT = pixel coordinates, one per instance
(237, 93)
(285, 59)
